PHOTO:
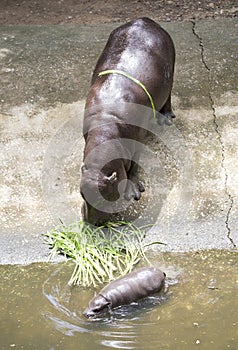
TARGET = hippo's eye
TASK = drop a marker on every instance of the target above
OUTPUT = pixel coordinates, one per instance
(100, 309)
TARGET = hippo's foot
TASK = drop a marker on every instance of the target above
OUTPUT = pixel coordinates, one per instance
(166, 114)
(169, 116)
(165, 118)
(133, 190)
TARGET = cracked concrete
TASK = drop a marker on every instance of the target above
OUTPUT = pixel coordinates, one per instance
(230, 199)
(229, 30)
(45, 73)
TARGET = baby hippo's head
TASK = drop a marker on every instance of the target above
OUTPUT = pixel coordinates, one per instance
(96, 306)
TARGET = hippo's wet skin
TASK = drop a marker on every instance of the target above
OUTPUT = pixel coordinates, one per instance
(125, 290)
(145, 51)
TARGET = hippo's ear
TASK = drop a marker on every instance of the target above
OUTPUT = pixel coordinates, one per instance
(112, 178)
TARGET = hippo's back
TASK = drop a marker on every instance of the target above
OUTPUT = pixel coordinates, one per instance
(134, 286)
(135, 47)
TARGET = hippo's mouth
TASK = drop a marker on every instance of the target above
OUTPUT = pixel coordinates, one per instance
(94, 216)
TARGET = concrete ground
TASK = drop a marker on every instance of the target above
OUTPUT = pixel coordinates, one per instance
(45, 73)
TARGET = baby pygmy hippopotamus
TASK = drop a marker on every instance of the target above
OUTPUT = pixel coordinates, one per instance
(125, 290)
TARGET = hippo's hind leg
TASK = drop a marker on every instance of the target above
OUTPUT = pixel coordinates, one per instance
(166, 111)
(134, 187)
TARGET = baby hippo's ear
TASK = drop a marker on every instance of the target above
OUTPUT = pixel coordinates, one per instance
(112, 178)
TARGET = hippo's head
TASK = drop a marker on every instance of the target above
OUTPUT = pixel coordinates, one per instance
(96, 306)
(100, 192)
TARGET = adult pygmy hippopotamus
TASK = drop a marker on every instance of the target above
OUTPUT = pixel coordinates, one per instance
(125, 290)
(139, 53)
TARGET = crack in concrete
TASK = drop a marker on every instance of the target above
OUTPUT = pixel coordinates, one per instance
(229, 196)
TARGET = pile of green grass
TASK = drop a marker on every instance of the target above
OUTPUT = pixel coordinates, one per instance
(100, 254)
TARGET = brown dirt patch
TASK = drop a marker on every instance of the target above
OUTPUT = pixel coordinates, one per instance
(15, 12)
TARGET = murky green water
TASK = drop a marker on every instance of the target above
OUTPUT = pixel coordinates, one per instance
(198, 310)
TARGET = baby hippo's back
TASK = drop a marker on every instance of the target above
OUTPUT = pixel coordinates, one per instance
(134, 286)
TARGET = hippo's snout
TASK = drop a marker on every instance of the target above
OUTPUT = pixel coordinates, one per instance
(89, 314)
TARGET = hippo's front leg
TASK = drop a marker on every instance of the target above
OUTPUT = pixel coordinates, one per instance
(134, 187)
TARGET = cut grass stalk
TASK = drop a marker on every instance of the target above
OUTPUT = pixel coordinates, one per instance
(100, 254)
